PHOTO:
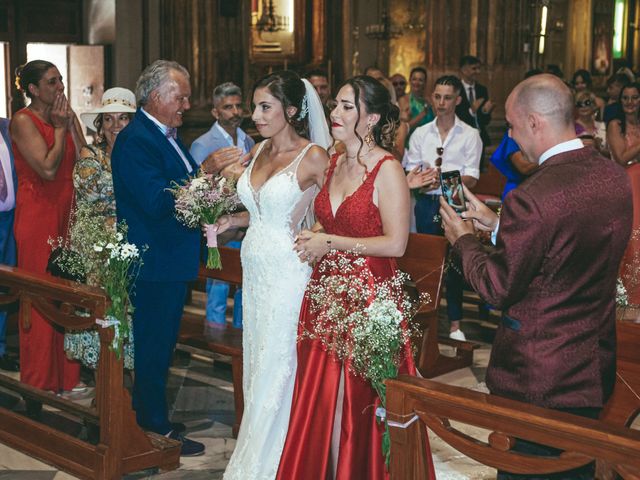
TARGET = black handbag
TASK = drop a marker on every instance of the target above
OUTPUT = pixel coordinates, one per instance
(62, 256)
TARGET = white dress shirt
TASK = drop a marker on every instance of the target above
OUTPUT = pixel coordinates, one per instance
(164, 129)
(5, 163)
(240, 138)
(462, 149)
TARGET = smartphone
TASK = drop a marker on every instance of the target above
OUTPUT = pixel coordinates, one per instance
(451, 183)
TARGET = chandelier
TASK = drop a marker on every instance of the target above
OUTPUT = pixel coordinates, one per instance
(384, 30)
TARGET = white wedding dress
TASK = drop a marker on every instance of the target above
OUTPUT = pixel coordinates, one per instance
(273, 284)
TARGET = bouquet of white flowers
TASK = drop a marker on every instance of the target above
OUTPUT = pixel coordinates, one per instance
(363, 320)
(201, 200)
(102, 257)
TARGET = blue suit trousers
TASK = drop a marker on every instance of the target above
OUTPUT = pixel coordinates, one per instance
(156, 322)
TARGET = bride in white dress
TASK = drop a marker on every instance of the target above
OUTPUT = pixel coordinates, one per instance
(278, 189)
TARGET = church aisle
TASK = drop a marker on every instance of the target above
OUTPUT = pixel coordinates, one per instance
(201, 394)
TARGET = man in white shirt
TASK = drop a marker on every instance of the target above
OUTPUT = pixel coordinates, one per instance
(7, 241)
(445, 144)
(225, 144)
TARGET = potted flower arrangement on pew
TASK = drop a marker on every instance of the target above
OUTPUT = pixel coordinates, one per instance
(100, 256)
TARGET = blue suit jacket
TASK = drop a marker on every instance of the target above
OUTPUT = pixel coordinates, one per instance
(213, 140)
(144, 165)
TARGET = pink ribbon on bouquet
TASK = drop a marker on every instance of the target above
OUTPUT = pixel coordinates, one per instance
(211, 230)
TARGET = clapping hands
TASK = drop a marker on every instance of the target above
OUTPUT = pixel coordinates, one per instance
(61, 114)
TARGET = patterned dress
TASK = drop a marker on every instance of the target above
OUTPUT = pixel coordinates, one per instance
(94, 189)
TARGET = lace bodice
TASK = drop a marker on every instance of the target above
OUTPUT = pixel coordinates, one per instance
(357, 215)
(279, 203)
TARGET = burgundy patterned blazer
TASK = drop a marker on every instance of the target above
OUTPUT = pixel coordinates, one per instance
(562, 235)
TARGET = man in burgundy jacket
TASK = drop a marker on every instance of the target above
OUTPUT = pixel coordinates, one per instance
(560, 239)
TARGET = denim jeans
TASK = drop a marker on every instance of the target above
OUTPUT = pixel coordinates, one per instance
(217, 293)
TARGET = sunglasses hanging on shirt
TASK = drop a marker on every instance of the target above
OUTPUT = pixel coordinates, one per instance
(440, 152)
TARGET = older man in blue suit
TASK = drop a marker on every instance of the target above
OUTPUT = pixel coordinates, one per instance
(146, 159)
(225, 144)
(8, 183)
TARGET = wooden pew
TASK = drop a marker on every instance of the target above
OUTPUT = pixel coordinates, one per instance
(624, 405)
(490, 187)
(424, 260)
(123, 447)
(615, 447)
(224, 342)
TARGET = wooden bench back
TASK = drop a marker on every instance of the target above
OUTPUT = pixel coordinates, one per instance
(491, 182)
(436, 404)
(424, 260)
(231, 270)
(123, 447)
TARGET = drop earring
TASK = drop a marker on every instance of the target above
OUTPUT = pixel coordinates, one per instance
(368, 138)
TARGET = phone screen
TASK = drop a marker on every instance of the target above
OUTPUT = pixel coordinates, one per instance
(452, 191)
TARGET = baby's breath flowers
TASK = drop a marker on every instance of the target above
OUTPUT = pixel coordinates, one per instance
(362, 320)
(202, 200)
(108, 261)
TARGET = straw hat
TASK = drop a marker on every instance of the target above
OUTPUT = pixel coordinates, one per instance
(114, 100)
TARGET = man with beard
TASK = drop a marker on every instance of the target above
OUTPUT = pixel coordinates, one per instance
(225, 143)
(224, 146)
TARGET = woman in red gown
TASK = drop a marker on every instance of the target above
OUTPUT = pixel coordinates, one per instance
(623, 137)
(45, 137)
(363, 206)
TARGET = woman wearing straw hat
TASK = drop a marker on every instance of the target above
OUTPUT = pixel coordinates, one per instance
(92, 172)
(94, 197)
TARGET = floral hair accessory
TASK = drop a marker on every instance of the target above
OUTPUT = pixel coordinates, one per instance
(17, 83)
(304, 109)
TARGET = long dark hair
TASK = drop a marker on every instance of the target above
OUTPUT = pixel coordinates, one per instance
(31, 72)
(376, 99)
(623, 117)
(289, 89)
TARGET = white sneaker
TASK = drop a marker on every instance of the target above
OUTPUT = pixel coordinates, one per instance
(458, 335)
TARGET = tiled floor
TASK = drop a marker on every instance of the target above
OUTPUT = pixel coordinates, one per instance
(201, 396)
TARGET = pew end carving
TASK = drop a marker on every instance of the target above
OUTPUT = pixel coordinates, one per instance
(122, 446)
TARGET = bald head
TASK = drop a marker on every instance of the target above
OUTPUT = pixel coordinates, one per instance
(540, 111)
(545, 95)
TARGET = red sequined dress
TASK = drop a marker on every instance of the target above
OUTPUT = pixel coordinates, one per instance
(327, 396)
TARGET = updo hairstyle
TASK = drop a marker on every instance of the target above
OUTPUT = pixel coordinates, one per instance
(290, 91)
(376, 99)
(31, 72)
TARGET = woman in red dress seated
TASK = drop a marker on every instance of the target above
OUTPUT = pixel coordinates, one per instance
(364, 208)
